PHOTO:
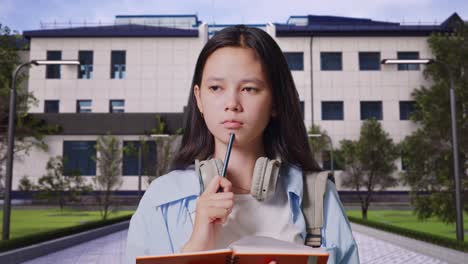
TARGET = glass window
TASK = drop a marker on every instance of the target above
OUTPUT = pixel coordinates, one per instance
(406, 109)
(371, 110)
(79, 157)
(408, 55)
(51, 106)
(332, 110)
(369, 61)
(83, 106)
(295, 60)
(85, 71)
(53, 71)
(116, 106)
(130, 158)
(118, 64)
(330, 61)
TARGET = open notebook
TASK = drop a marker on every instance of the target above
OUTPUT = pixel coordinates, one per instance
(248, 250)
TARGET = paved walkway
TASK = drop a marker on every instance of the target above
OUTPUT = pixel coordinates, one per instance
(374, 247)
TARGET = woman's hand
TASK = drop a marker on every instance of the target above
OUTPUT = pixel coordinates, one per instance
(212, 209)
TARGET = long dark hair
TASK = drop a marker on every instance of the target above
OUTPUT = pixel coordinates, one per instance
(285, 135)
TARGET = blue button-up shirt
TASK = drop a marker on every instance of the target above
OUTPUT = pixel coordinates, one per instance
(162, 222)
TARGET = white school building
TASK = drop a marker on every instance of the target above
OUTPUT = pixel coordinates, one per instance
(141, 66)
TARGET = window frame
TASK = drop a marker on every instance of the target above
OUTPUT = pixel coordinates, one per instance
(72, 164)
(118, 64)
(323, 65)
(290, 56)
(53, 71)
(79, 108)
(51, 101)
(85, 70)
(361, 56)
(379, 103)
(340, 115)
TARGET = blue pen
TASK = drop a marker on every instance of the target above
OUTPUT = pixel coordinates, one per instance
(226, 158)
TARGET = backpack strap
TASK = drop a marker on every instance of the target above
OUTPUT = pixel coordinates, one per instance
(207, 169)
(312, 206)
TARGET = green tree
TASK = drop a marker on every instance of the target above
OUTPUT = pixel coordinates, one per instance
(30, 131)
(427, 152)
(369, 163)
(165, 148)
(109, 179)
(319, 144)
(25, 184)
(55, 185)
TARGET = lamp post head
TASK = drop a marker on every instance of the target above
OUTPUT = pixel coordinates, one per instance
(55, 62)
(407, 61)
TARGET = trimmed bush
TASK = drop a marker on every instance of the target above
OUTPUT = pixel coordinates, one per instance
(434, 239)
(28, 240)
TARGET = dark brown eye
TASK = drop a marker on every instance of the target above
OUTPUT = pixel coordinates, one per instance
(250, 89)
(213, 87)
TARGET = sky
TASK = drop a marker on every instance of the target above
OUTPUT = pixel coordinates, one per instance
(29, 14)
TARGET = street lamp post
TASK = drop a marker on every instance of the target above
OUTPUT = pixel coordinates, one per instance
(332, 167)
(453, 113)
(139, 170)
(11, 139)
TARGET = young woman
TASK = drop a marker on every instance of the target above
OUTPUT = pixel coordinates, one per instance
(242, 84)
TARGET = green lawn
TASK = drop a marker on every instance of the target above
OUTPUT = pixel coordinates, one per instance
(406, 219)
(31, 221)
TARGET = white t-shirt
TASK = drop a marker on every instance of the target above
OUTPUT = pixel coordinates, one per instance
(271, 217)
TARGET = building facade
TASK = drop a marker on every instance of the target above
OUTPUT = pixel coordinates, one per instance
(142, 66)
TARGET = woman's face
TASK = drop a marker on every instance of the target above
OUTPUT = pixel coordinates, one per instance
(235, 96)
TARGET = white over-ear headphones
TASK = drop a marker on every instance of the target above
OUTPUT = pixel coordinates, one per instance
(265, 175)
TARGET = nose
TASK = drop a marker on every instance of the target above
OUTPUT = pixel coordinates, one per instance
(232, 102)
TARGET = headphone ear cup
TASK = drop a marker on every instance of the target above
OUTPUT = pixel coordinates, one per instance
(264, 178)
(258, 177)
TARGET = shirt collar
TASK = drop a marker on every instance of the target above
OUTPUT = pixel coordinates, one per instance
(176, 185)
(292, 177)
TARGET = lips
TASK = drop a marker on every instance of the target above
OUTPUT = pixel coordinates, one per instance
(232, 124)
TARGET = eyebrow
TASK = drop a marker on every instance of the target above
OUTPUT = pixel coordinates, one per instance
(246, 80)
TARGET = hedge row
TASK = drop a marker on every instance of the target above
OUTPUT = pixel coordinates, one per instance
(434, 239)
(54, 234)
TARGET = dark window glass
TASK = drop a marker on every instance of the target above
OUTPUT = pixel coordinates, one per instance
(130, 158)
(79, 157)
(53, 71)
(371, 110)
(83, 106)
(332, 110)
(295, 60)
(369, 61)
(85, 71)
(51, 106)
(331, 61)
(406, 109)
(118, 64)
(408, 55)
(116, 106)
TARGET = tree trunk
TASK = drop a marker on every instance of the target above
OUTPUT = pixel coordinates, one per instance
(364, 212)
